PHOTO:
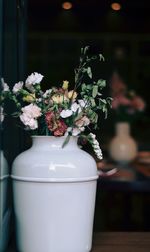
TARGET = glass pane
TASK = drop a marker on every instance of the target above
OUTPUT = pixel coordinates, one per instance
(12, 62)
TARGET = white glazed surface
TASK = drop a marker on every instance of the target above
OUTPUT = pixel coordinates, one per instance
(4, 175)
(4, 210)
(4, 230)
(54, 197)
(47, 159)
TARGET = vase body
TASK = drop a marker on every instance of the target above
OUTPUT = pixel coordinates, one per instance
(54, 196)
(5, 211)
(123, 147)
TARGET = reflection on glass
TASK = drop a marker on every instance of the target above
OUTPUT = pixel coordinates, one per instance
(4, 209)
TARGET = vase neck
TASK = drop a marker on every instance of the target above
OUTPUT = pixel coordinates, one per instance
(52, 142)
(122, 129)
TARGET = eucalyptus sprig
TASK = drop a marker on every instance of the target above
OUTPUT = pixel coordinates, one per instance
(84, 67)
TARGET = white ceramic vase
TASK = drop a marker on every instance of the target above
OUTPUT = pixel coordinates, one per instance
(123, 147)
(5, 211)
(54, 196)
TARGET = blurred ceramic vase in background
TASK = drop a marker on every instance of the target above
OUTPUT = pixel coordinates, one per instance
(123, 148)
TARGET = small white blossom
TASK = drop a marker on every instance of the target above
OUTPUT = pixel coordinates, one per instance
(66, 113)
(92, 136)
(1, 114)
(83, 103)
(17, 87)
(38, 99)
(47, 93)
(75, 107)
(96, 146)
(5, 87)
(34, 78)
(32, 111)
(76, 131)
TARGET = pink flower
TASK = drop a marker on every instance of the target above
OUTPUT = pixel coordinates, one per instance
(120, 100)
(118, 87)
(138, 103)
(84, 121)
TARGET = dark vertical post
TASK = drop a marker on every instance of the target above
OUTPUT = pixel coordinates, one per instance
(1, 37)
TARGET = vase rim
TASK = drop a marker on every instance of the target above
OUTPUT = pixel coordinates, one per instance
(40, 136)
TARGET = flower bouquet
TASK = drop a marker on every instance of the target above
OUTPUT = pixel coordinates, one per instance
(60, 111)
(127, 105)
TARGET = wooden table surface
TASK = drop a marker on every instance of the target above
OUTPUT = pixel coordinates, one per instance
(121, 242)
(116, 242)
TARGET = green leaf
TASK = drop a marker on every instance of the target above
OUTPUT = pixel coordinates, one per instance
(66, 141)
(101, 57)
(92, 102)
(85, 49)
(101, 83)
(89, 87)
(83, 87)
(79, 116)
(93, 116)
(95, 91)
(89, 72)
(109, 100)
(103, 101)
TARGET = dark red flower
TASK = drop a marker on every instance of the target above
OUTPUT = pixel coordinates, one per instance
(61, 128)
(50, 120)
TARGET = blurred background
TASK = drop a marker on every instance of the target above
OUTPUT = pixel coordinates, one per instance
(46, 37)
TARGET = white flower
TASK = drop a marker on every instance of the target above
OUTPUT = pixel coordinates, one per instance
(83, 103)
(34, 78)
(96, 146)
(32, 111)
(38, 99)
(76, 131)
(5, 87)
(47, 93)
(66, 113)
(75, 107)
(17, 87)
(92, 136)
(1, 114)
(28, 121)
